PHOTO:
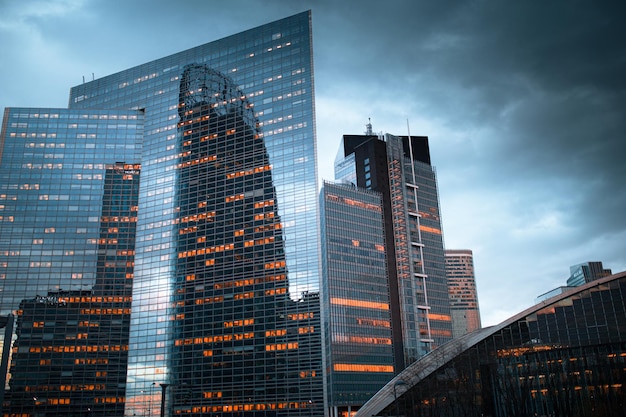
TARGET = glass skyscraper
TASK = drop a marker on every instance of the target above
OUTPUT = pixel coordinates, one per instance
(74, 335)
(355, 297)
(225, 314)
(399, 167)
(69, 187)
(580, 274)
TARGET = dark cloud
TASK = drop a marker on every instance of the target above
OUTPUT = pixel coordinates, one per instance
(533, 99)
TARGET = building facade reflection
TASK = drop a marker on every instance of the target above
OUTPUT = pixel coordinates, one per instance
(271, 67)
(71, 348)
(259, 83)
(231, 287)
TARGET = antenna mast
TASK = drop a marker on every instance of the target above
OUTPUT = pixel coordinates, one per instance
(368, 127)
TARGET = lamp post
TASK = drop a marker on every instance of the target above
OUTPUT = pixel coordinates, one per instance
(163, 390)
(151, 398)
(395, 395)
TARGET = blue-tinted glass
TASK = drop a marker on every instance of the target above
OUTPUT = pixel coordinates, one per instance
(224, 260)
(69, 186)
(355, 296)
(225, 307)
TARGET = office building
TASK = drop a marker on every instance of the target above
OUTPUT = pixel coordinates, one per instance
(462, 290)
(355, 297)
(586, 272)
(225, 315)
(564, 357)
(399, 168)
(69, 184)
(579, 274)
(69, 335)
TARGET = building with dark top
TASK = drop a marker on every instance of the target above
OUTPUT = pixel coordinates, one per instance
(355, 297)
(399, 167)
(565, 356)
(225, 310)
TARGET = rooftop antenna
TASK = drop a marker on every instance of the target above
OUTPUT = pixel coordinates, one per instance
(368, 127)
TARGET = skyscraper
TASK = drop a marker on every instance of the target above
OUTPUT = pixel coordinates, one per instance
(225, 284)
(355, 296)
(69, 187)
(399, 167)
(66, 336)
(462, 289)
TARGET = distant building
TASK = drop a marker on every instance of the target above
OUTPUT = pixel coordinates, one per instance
(579, 274)
(586, 272)
(562, 358)
(355, 297)
(399, 168)
(552, 293)
(462, 289)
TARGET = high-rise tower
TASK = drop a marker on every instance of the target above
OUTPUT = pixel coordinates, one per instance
(355, 297)
(225, 315)
(399, 168)
(69, 189)
(462, 289)
(69, 335)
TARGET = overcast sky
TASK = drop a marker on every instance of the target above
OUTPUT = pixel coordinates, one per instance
(524, 103)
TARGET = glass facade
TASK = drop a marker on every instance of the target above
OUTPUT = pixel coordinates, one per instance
(462, 291)
(198, 160)
(586, 272)
(399, 168)
(345, 168)
(225, 302)
(69, 186)
(563, 357)
(423, 288)
(355, 297)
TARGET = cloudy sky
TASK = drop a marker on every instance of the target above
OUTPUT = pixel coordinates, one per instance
(524, 103)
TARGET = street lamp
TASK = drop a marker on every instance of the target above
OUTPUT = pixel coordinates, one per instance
(163, 389)
(399, 382)
(151, 398)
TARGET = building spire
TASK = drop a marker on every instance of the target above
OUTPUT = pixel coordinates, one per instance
(368, 127)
